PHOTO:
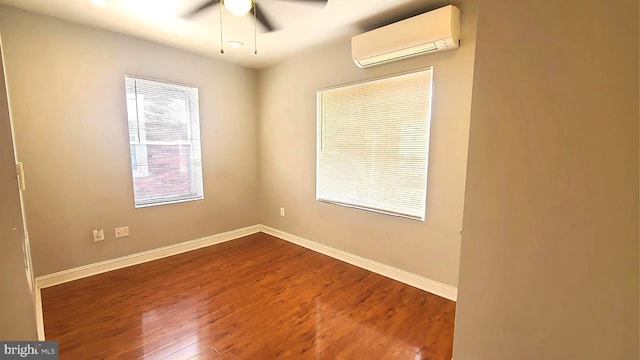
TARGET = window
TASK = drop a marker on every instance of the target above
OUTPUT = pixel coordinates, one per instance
(164, 141)
(373, 144)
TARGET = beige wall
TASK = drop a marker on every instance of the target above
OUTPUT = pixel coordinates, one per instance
(67, 93)
(17, 311)
(549, 263)
(287, 158)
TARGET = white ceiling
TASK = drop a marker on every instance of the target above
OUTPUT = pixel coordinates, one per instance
(301, 23)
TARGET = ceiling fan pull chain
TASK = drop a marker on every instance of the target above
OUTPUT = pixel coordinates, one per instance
(221, 38)
(255, 29)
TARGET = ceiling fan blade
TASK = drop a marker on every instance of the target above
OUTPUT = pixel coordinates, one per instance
(205, 5)
(262, 18)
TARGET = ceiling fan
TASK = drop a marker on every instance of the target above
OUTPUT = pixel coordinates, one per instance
(242, 7)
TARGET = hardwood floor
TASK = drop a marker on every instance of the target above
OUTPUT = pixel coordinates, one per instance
(257, 297)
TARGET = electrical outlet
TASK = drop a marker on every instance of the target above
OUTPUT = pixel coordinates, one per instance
(122, 232)
(281, 211)
(98, 235)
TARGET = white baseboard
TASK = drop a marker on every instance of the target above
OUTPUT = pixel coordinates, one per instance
(434, 287)
(141, 257)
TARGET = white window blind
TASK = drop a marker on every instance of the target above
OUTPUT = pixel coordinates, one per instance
(164, 139)
(373, 144)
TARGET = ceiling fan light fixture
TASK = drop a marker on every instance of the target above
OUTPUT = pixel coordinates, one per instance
(238, 7)
(235, 44)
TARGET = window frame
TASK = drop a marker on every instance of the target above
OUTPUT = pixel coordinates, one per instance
(320, 143)
(142, 141)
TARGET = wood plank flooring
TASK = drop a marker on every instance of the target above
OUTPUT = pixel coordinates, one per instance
(257, 297)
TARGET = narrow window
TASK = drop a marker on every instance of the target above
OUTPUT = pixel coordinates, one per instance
(373, 144)
(164, 141)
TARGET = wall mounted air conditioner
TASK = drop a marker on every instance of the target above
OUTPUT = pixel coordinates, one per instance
(432, 31)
